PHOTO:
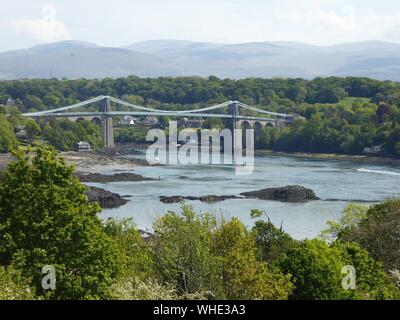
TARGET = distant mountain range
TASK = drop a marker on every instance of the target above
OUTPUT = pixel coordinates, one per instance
(76, 59)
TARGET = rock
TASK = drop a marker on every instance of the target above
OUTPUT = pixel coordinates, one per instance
(105, 198)
(118, 177)
(214, 198)
(171, 199)
(288, 193)
(207, 198)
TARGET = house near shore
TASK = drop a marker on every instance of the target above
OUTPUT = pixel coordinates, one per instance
(82, 146)
(375, 150)
(150, 121)
(127, 121)
(190, 123)
(10, 102)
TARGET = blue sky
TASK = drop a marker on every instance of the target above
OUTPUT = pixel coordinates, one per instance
(121, 22)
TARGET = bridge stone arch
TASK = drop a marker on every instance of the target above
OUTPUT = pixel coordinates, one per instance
(258, 128)
(245, 125)
(257, 124)
(96, 121)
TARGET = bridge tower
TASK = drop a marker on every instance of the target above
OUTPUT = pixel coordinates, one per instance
(107, 124)
(237, 138)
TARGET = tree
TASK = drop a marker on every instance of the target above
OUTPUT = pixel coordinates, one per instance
(33, 102)
(271, 242)
(138, 262)
(45, 219)
(182, 254)
(13, 287)
(316, 271)
(136, 289)
(63, 134)
(317, 267)
(371, 280)
(51, 100)
(7, 136)
(32, 129)
(352, 216)
(243, 276)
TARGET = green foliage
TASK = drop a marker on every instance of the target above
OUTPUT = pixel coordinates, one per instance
(331, 128)
(136, 289)
(213, 123)
(132, 134)
(32, 102)
(316, 269)
(12, 287)
(371, 280)
(379, 233)
(63, 134)
(32, 129)
(353, 214)
(272, 242)
(244, 277)
(182, 254)
(7, 136)
(137, 254)
(45, 219)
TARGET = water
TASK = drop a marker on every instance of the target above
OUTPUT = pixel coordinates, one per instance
(342, 180)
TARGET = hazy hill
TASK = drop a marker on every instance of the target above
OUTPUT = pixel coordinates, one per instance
(74, 59)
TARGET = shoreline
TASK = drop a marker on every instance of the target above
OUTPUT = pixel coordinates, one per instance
(112, 160)
(99, 162)
(297, 154)
(331, 156)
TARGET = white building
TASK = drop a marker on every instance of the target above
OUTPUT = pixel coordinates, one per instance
(82, 146)
(127, 121)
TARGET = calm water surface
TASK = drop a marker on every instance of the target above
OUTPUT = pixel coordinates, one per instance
(344, 180)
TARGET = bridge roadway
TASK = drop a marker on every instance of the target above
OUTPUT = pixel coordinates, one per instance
(156, 113)
(106, 115)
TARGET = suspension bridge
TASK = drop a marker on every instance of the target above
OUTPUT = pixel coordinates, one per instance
(105, 114)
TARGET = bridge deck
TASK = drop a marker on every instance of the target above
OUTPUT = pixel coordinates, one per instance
(145, 113)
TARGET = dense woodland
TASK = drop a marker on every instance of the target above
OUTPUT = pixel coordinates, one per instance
(340, 115)
(45, 219)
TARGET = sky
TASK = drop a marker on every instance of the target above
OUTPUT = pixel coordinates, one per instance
(122, 22)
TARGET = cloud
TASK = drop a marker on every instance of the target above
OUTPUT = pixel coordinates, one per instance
(346, 24)
(47, 29)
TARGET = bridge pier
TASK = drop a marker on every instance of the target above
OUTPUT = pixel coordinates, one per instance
(236, 133)
(107, 125)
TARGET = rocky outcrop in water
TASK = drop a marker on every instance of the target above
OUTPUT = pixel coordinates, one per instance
(105, 198)
(287, 194)
(214, 198)
(118, 177)
(207, 198)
